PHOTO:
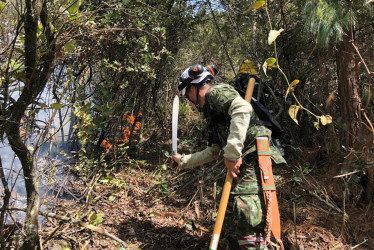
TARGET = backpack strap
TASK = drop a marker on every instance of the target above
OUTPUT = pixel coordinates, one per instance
(261, 123)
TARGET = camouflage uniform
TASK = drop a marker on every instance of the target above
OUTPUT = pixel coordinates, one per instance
(244, 219)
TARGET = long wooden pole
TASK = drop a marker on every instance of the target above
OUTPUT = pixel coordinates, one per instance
(227, 186)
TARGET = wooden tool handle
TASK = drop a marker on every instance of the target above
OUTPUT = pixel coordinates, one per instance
(221, 212)
(227, 187)
(250, 88)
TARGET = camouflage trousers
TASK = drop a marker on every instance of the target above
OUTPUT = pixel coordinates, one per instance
(245, 220)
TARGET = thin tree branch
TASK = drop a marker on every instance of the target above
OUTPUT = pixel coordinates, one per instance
(362, 59)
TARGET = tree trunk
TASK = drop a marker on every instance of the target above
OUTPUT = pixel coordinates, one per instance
(348, 88)
(5, 205)
(31, 183)
(37, 74)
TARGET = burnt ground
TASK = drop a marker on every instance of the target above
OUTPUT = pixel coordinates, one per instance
(155, 207)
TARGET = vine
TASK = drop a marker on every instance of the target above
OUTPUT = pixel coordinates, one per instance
(274, 62)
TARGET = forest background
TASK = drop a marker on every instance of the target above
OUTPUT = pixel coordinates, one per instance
(116, 65)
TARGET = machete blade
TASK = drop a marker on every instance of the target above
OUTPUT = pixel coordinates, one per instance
(175, 124)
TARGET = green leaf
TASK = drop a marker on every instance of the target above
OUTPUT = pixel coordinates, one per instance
(41, 104)
(100, 218)
(92, 217)
(14, 65)
(69, 47)
(75, 4)
(112, 198)
(106, 180)
(164, 167)
(268, 63)
(20, 75)
(291, 87)
(56, 105)
(95, 219)
(166, 153)
(258, 4)
(273, 34)
(292, 111)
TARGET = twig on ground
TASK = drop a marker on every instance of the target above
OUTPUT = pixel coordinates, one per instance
(103, 231)
(51, 234)
(294, 221)
(201, 184)
(193, 197)
(360, 244)
(197, 209)
(215, 195)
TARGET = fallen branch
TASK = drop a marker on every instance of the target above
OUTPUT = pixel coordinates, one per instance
(353, 172)
(103, 231)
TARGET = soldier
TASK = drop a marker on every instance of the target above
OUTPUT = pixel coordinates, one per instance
(228, 118)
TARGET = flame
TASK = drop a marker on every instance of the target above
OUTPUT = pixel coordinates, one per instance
(126, 132)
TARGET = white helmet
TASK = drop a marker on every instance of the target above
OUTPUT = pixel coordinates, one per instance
(196, 75)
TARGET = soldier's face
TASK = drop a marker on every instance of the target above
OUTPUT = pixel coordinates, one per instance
(191, 95)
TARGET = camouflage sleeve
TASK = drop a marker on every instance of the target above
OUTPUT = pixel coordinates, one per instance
(200, 158)
(240, 112)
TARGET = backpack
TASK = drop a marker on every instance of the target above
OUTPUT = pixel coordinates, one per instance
(263, 113)
(265, 118)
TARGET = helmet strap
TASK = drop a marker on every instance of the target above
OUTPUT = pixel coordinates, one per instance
(197, 99)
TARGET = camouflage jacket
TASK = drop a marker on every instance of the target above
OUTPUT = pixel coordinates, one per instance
(228, 115)
(220, 102)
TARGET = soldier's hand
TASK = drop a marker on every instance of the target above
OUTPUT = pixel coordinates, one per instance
(175, 159)
(233, 167)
